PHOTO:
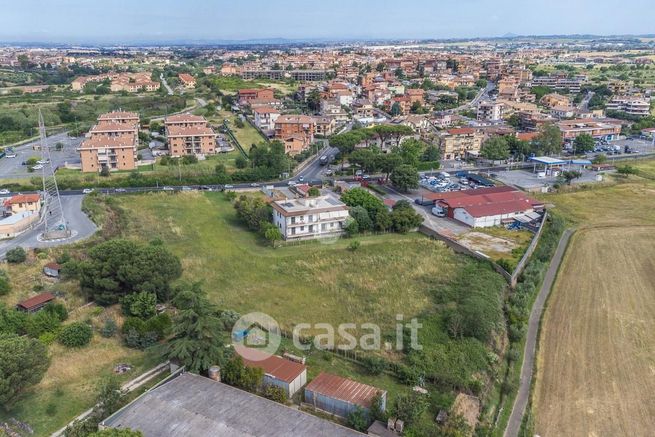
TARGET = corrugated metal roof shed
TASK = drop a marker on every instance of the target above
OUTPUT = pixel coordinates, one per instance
(344, 389)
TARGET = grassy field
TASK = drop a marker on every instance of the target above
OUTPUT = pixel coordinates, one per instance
(247, 135)
(596, 351)
(306, 283)
(69, 386)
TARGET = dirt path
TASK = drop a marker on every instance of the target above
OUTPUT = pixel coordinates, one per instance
(596, 363)
(521, 401)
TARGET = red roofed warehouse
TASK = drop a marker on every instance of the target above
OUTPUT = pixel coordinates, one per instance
(483, 208)
(341, 396)
(286, 374)
(33, 304)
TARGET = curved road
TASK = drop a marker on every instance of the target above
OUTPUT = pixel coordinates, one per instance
(523, 396)
(78, 221)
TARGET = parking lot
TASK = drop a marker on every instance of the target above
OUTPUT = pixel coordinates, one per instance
(13, 168)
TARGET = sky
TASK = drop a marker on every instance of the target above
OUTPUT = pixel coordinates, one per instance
(124, 21)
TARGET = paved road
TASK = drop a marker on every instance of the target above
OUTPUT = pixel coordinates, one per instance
(163, 81)
(12, 168)
(81, 225)
(523, 396)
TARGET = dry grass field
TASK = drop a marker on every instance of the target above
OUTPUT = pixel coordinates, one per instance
(596, 362)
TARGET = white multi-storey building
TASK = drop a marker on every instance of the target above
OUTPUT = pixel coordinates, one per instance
(309, 218)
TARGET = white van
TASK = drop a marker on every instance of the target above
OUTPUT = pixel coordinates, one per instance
(438, 211)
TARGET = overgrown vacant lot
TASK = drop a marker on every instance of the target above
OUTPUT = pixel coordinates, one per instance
(311, 283)
(597, 349)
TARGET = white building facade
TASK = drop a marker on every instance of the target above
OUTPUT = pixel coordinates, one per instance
(310, 218)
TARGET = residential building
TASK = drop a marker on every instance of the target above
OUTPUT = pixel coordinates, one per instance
(189, 134)
(23, 203)
(192, 405)
(324, 126)
(460, 143)
(636, 106)
(552, 100)
(265, 117)
(187, 80)
(332, 108)
(309, 218)
(341, 396)
(490, 111)
(130, 82)
(300, 127)
(561, 82)
(249, 94)
(111, 143)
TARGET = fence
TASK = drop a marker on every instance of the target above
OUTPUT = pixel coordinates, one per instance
(236, 142)
(257, 128)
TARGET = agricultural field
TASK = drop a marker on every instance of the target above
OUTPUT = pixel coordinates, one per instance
(69, 386)
(596, 351)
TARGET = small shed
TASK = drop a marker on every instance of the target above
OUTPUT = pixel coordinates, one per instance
(289, 375)
(34, 304)
(52, 270)
(341, 396)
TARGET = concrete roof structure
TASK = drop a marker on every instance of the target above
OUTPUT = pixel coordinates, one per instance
(192, 405)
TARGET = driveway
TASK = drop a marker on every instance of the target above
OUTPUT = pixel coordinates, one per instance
(81, 225)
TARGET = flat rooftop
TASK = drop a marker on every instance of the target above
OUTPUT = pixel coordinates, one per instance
(192, 405)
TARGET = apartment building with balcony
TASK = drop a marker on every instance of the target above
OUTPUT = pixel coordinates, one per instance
(265, 117)
(636, 106)
(459, 143)
(189, 134)
(490, 111)
(111, 143)
(299, 127)
(310, 218)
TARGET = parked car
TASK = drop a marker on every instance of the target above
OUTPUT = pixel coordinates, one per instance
(37, 167)
(4, 191)
(10, 155)
(167, 188)
(438, 211)
(254, 184)
(120, 190)
(87, 191)
(291, 183)
(185, 188)
(423, 202)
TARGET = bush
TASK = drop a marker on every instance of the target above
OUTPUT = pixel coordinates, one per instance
(76, 335)
(275, 393)
(109, 328)
(374, 365)
(5, 287)
(354, 245)
(58, 310)
(42, 322)
(16, 255)
(141, 305)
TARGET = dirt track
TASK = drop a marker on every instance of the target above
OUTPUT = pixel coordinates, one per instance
(596, 362)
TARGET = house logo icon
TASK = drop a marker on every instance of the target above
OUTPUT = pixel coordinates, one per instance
(256, 336)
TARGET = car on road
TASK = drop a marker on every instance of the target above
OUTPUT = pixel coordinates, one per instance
(291, 183)
(4, 191)
(254, 184)
(167, 188)
(10, 155)
(37, 167)
(87, 191)
(301, 178)
(228, 187)
(206, 188)
(120, 190)
(185, 188)
(42, 161)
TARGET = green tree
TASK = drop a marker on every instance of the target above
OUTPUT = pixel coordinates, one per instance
(23, 362)
(16, 255)
(196, 341)
(241, 162)
(117, 268)
(360, 215)
(314, 100)
(76, 334)
(583, 143)
(405, 177)
(275, 393)
(272, 233)
(141, 305)
(404, 217)
(113, 432)
(549, 140)
(569, 175)
(495, 149)
(395, 110)
(314, 192)
(410, 406)
(5, 286)
(600, 159)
